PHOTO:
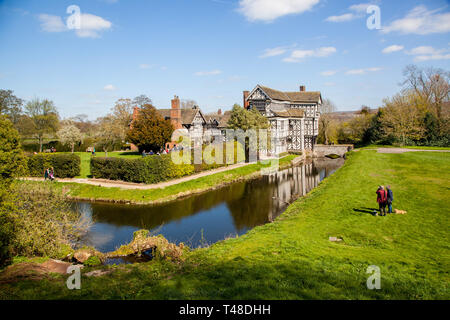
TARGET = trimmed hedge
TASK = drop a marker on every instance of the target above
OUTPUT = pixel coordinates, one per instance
(154, 169)
(151, 169)
(64, 165)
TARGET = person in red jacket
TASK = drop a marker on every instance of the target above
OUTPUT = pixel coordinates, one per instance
(382, 200)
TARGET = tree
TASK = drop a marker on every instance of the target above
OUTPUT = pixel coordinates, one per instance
(108, 134)
(149, 131)
(44, 119)
(121, 116)
(244, 119)
(431, 85)
(12, 164)
(70, 134)
(141, 100)
(187, 104)
(10, 105)
(325, 120)
(403, 118)
(249, 121)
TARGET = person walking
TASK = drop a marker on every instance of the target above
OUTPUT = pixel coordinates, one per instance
(382, 200)
(46, 174)
(390, 198)
(51, 174)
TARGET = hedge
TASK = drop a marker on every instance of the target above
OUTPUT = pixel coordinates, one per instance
(154, 169)
(151, 169)
(64, 165)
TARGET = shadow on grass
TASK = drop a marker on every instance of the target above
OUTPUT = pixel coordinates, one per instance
(372, 211)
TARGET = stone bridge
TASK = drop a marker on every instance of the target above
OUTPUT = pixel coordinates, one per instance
(321, 150)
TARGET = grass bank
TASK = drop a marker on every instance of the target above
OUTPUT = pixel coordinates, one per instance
(137, 196)
(293, 258)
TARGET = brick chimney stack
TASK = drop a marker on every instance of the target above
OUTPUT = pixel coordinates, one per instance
(245, 103)
(175, 113)
(219, 112)
(302, 88)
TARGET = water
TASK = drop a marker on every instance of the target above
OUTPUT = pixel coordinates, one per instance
(207, 217)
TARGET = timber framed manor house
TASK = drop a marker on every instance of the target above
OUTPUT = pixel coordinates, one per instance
(293, 116)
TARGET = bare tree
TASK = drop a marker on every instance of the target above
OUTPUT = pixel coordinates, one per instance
(325, 121)
(188, 103)
(431, 85)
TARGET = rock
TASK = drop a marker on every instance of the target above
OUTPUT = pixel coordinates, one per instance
(56, 266)
(97, 273)
(82, 255)
(87, 254)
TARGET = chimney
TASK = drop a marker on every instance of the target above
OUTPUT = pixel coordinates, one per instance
(175, 113)
(302, 88)
(219, 112)
(245, 96)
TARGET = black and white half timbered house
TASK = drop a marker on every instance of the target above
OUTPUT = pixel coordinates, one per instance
(293, 116)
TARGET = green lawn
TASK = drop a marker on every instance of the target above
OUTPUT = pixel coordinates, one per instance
(292, 258)
(86, 160)
(372, 146)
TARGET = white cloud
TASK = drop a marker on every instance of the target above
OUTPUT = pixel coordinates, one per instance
(207, 73)
(90, 25)
(341, 18)
(269, 10)
(109, 87)
(51, 23)
(361, 8)
(421, 21)
(273, 52)
(359, 11)
(425, 53)
(393, 48)
(298, 55)
(328, 73)
(362, 71)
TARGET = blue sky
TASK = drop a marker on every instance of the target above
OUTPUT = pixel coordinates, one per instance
(212, 50)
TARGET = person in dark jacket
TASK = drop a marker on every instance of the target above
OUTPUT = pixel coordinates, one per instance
(382, 200)
(390, 198)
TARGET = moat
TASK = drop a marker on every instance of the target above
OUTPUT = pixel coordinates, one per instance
(208, 217)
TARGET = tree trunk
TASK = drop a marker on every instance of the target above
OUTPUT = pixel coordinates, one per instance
(40, 144)
(73, 147)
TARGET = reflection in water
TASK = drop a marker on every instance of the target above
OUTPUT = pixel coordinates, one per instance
(213, 215)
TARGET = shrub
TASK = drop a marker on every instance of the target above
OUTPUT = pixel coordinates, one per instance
(154, 169)
(44, 222)
(64, 165)
(151, 169)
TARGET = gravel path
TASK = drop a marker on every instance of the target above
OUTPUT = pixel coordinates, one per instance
(402, 150)
(141, 186)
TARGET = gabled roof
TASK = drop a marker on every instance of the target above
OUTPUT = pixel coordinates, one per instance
(289, 113)
(296, 96)
(222, 119)
(187, 115)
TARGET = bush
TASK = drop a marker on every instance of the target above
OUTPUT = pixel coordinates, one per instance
(151, 169)
(44, 222)
(154, 169)
(64, 165)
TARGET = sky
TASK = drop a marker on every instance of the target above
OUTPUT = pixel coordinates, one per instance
(212, 50)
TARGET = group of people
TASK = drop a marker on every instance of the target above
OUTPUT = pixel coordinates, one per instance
(49, 174)
(164, 151)
(385, 197)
